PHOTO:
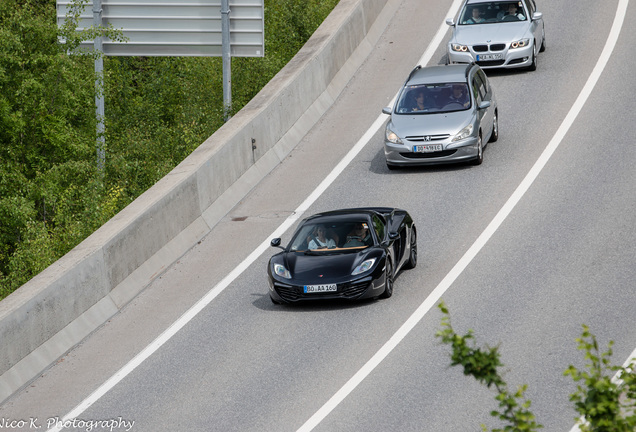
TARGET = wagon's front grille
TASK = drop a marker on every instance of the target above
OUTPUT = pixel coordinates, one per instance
(427, 138)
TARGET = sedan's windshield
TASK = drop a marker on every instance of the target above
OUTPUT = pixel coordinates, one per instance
(493, 12)
(433, 98)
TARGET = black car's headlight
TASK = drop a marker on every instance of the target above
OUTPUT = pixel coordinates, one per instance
(281, 271)
(520, 43)
(459, 47)
(365, 266)
(392, 136)
(464, 133)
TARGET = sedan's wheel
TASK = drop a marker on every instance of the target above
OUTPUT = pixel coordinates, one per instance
(480, 152)
(533, 65)
(543, 46)
(495, 128)
(412, 262)
(388, 280)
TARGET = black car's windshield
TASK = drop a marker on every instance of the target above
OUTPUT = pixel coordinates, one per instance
(346, 235)
(492, 12)
(434, 98)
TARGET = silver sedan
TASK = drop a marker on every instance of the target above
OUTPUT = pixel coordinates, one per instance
(497, 34)
(442, 114)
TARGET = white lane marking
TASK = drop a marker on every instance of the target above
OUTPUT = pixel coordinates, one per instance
(225, 282)
(443, 286)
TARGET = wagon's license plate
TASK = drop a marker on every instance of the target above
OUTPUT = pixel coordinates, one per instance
(485, 57)
(320, 288)
(427, 148)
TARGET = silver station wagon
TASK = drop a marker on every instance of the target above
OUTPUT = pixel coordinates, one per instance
(442, 114)
(497, 34)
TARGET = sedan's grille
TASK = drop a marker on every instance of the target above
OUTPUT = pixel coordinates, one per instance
(493, 47)
(491, 63)
(427, 138)
(443, 153)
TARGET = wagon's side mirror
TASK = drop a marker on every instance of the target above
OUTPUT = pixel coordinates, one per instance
(276, 242)
(537, 16)
(484, 105)
(386, 110)
(450, 22)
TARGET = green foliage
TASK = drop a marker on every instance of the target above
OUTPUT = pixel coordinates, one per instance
(605, 405)
(483, 365)
(158, 110)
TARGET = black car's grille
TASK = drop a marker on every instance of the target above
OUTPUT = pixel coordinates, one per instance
(427, 138)
(493, 47)
(354, 290)
(443, 153)
(491, 63)
(349, 291)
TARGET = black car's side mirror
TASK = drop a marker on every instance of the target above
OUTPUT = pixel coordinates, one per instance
(276, 242)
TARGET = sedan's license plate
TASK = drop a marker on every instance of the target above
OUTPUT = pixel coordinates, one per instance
(428, 148)
(320, 288)
(486, 57)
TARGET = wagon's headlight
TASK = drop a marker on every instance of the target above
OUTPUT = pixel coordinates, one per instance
(459, 47)
(365, 266)
(520, 43)
(392, 136)
(464, 133)
(281, 271)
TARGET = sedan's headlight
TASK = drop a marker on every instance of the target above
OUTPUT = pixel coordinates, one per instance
(464, 133)
(281, 271)
(392, 136)
(459, 47)
(365, 266)
(520, 43)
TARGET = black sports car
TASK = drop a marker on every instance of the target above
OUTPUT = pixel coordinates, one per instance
(343, 254)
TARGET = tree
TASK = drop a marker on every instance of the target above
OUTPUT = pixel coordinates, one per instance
(605, 404)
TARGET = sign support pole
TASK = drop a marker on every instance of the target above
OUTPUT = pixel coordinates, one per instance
(99, 88)
(227, 59)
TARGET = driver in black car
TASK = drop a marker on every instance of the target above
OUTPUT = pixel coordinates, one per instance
(359, 236)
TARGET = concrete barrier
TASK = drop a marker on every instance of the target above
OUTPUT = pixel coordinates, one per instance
(61, 306)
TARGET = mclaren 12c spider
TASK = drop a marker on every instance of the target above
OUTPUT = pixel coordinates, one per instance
(343, 254)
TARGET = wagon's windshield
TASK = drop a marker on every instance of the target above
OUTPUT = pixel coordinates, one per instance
(434, 98)
(493, 12)
(332, 237)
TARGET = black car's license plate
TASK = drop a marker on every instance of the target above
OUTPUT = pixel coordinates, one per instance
(320, 288)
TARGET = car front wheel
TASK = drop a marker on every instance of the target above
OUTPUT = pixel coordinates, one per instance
(388, 280)
(494, 136)
(480, 152)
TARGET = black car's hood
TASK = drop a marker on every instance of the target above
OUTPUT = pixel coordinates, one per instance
(323, 267)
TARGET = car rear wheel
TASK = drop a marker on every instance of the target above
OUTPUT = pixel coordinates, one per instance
(412, 262)
(388, 280)
(494, 136)
(480, 152)
(543, 46)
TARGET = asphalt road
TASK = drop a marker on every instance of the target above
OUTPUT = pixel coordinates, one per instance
(564, 256)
